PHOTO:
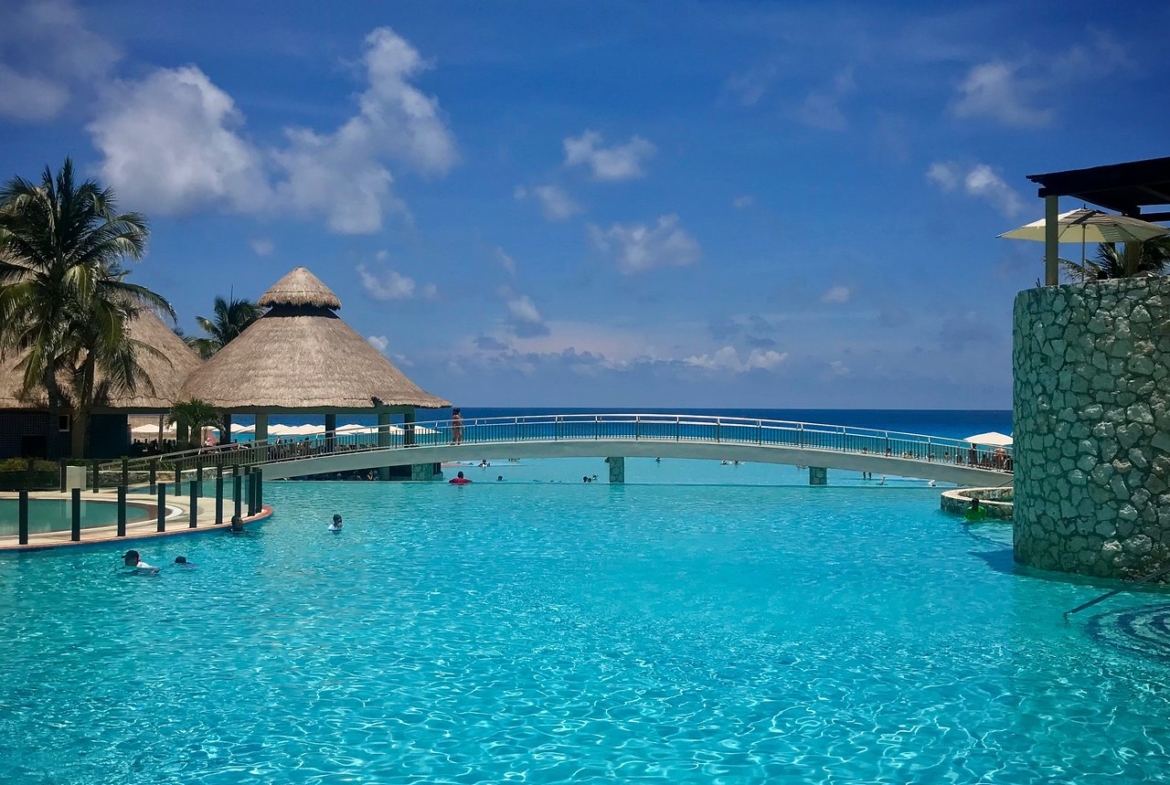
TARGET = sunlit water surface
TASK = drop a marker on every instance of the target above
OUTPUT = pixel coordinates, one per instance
(539, 633)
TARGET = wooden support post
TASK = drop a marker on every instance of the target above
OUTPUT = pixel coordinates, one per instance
(238, 492)
(193, 511)
(153, 474)
(121, 510)
(162, 507)
(22, 525)
(219, 497)
(97, 479)
(75, 534)
(125, 471)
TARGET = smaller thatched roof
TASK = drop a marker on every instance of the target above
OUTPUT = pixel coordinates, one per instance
(300, 356)
(167, 371)
(300, 287)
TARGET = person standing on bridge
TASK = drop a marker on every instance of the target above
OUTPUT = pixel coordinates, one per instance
(456, 426)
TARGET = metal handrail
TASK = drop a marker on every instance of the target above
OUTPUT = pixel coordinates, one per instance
(640, 427)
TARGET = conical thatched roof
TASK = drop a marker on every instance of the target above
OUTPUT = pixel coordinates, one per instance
(302, 356)
(299, 287)
(167, 371)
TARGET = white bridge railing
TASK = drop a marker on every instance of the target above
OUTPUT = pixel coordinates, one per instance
(583, 427)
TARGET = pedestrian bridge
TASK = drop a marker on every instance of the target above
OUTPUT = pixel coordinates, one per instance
(617, 436)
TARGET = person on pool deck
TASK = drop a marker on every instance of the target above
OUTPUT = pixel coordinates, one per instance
(456, 426)
(336, 525)
(132, 559)
(237, 524)
(459, 479)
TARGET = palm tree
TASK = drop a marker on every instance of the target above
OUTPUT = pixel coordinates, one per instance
(194, 415)
(232, 317)
(65, 305)
(1153, 259)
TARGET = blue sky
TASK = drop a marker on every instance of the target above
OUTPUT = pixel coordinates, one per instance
(708, 204)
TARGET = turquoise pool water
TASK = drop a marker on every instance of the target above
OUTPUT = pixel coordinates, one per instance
(543, 633)
(48, 515)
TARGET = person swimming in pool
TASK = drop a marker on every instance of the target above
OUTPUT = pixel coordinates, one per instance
(132, 559)
(237, 525)
(459, 479)
(336, 525)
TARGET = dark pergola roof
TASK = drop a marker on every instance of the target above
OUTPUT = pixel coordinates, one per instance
(1125, 188)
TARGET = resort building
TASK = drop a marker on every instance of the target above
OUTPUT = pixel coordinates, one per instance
(28, 429)
(301, 358)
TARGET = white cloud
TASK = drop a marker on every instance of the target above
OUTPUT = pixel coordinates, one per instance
(620, 162)
(837, 294)
(169, 142)
(56, 54)
(980, 181)
(750, 86)
(555, 202)
(838, 369)
(996, 90)
(728, 359)
(430, 292)
(742, 202)
(262, 246)
(173, 139)
(391, 285)
(507, 262)
(379, 342)
(638, 247)
(822, 108)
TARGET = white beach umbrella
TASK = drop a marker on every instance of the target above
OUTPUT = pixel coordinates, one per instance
(152, 430)
(1091, 226)
(991, 439)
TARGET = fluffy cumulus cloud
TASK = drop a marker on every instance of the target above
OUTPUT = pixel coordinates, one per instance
(171, 141)
(46, 56)
(637, 247)
(379, 342)
(262, 246)
(836, 295)
(997, 90)
(822, 108)
(729, 360)
(176, 140)
(389, 285)
(1021, 94)
(524, 319)
(554, 201)
(618, 162)
(978, 180)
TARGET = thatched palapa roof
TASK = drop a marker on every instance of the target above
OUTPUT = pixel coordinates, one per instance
(300, 288)
(301, 356)
(167, 370)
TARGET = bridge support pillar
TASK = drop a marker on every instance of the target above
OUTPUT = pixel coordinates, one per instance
(330, 432)
(818, 475)
(383, 441)
(422, 472)
(408, 429)
(261, 426)
(617, 470)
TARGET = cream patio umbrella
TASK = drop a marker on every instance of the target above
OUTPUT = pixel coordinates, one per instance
(990, 439)
(1090, 226)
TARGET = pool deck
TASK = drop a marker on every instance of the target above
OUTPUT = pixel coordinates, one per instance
(137, 529)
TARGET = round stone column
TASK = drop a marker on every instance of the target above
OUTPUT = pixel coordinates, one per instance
(1091, 411)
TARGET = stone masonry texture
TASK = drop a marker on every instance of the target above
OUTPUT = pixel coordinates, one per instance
(1091, 411)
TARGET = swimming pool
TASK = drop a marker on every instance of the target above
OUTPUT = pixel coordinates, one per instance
(510, 631)
(51, 515)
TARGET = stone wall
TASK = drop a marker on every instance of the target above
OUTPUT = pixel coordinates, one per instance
(995, 502)
(1091, 366)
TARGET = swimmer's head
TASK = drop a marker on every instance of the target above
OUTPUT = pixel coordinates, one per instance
(459, 475)
(180, 560)
(337, 519)
(131, 558)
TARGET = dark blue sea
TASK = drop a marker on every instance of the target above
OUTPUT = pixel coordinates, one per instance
(949, 423)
